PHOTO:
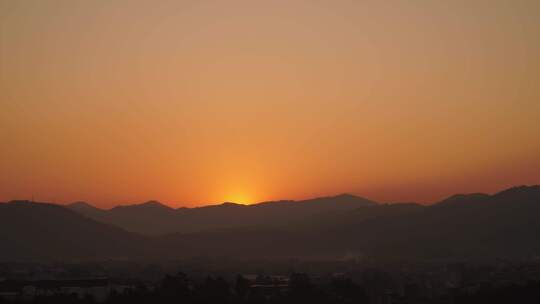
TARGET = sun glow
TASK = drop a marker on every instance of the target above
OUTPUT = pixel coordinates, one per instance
(240, 198)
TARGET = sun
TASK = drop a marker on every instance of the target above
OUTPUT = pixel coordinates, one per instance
(240, 198)
(240, 191)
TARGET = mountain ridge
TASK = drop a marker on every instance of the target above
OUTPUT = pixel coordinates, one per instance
(154, 218)
(459, 196)
(504, 225)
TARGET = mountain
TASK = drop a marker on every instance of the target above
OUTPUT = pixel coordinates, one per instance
(153, 218)
(86, 209)
(503, 225)
(478, 227)
(522, 193)
(518, 193)
(41, 231)
(464, 199)
(148, 218)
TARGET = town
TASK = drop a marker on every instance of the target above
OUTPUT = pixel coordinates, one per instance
(389, 282)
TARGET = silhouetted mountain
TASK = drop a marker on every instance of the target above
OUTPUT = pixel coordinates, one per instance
(464, 198)
(477, 226)
(463, 226)
(44, 231)
(153, 218)
(150, 217)
(152, 206)
(86, 209)
(522, 193)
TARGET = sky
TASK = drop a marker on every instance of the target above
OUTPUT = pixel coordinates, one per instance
(199, 102)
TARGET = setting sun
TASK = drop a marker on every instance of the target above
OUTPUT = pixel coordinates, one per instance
(240, 198)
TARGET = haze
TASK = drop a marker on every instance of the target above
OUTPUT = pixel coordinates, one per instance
(196, 102)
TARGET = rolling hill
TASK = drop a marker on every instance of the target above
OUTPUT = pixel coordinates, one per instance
(41, 231)
(503, 225)
(153, 218)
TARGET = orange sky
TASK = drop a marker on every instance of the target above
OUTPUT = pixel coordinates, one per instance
(197, 102)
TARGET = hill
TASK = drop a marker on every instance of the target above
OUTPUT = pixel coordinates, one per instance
(503, 225)
(153, 218)
(41, 231)
(500, 225)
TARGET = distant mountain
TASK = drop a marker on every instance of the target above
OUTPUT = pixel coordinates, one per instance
(521, 193)
(154, 218)
(477, 226)
(86, 209)
(41, 231)
(466, 226)
(464, 198)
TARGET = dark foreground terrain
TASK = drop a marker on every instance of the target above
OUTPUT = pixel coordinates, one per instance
(214, 281)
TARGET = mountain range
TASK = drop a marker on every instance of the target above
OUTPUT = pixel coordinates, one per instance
(462, 226)
(154, 218)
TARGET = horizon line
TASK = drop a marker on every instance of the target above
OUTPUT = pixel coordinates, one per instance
(152, 201)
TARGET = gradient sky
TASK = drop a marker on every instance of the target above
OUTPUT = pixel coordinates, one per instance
(197, 102)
